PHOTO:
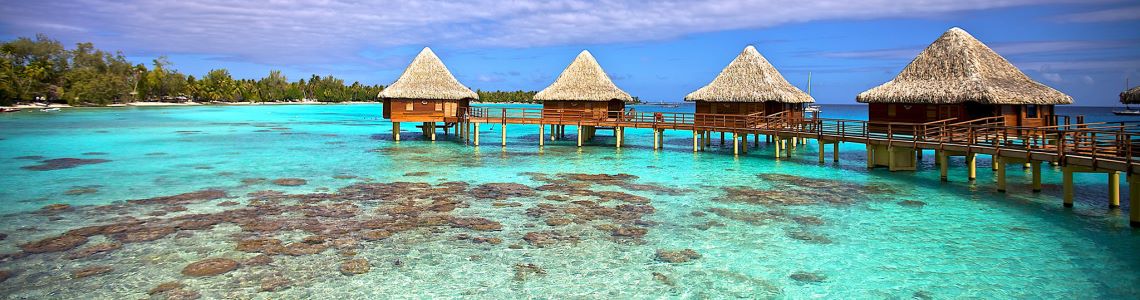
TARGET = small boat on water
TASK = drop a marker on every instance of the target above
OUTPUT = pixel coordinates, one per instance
(813, 108)
(50, 109)
(1126, 112)
(7, 109)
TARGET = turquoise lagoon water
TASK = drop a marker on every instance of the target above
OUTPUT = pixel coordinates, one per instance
(764, 228)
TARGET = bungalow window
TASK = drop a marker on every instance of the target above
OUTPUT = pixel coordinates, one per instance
(410, 106)
(1031, 111)
(931, 112)
(438, 106)
(891, 110)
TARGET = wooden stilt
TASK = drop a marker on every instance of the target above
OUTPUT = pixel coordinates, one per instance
(1134, 200)
(656, 139)
(579, 135)
(735, 143)
(617, 132)
(1067, 185)
(777, 148)
(432, 128)
(541, 134)
(835, 151)
(1035, 168)
(937, 155)
(695, 141)
(504, 130)
(744, 143)
(1001, 173)
(756, 140)
(943, 167)
(1113, 189)
(396, 131)
(890, 158)
(870, 156)
(821, 147)
(993, 162)
(722, 138)
(476, 133)
(707, 139)
(971, 166)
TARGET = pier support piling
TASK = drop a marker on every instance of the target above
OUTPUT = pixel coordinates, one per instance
(1134, 200)
(835, 151)
(541, 134)
(744, 143)
(504, 134)
(432, 128)
(1113, 189)
(579, 135)
(476, 133)
(821, 147)
(695, 141)
(735, 143)
(396, 131)
(1067, 185)
(971, 166)
(1035, 168)
(943, 167)
(1000, 164)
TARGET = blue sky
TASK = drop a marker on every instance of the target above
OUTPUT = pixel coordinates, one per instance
(657, 50)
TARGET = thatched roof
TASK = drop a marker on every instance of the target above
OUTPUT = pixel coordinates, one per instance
(585, 80)
(750, 78)
(1130, 96)
(427, 78)
(958, 68)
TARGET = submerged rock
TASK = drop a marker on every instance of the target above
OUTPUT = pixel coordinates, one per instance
(91, 271)
(912, 203)
(677, 256)
(259, 260)
(523, 271)
(54, 244)
(94, 249)
(53, 208)
(809, 237)
(629, 231)
(81, 191)
(290, 181)
(501, 191)
(184, 198)
(63, 163)
(355, 267)
(274, 283)
(802, 276)
(210, 267)
(165, 286)
(480, 224)
(546, 238)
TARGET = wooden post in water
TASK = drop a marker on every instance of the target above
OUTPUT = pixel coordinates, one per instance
(1134, 200)
(579, 135)
(476, 133)
(735, 143)
(1000, 173)
(870, 156)
(835, 151)
(1113, 189)
(432, 126)
(618, 133)
(504, 134)
(722, 138)
(1067, 185)
(777, 148)
(993, 162)
(943, 166)
(396, 131)
(1035, 168)
(937, 154)
(821, 147)
(541, 134)
(744, 143)
(756, 140)
(971, 166)
(695, 141)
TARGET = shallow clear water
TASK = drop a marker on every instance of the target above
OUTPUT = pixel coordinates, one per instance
(764, 228)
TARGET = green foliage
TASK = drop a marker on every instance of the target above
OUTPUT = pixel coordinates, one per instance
(507, 96)
(42, 69)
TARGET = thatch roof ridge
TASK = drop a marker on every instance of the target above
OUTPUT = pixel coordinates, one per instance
(1130, 96)
(750, 78)
(958, 68)
(427, 78)
(585, 80)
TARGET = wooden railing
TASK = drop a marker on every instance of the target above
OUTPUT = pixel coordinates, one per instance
(1103, 140)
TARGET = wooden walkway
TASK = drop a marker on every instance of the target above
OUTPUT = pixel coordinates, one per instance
(1077, 147)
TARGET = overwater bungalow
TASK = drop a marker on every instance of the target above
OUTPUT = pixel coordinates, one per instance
(958, 77)
(582, 92)
(749, 85)
(426, 92)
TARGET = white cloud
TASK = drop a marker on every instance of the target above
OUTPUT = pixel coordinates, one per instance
(1108, 15)
(1086, 79)
(336, 31)
(1052, 77)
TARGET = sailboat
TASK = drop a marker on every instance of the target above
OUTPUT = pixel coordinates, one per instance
(1128, 111)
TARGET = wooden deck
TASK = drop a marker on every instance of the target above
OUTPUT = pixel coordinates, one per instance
(1098, 146)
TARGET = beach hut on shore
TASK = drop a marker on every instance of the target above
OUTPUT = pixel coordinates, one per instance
(958, 77)
(426, 92)
(1130, 96)
(749, 85)
(582, 92)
